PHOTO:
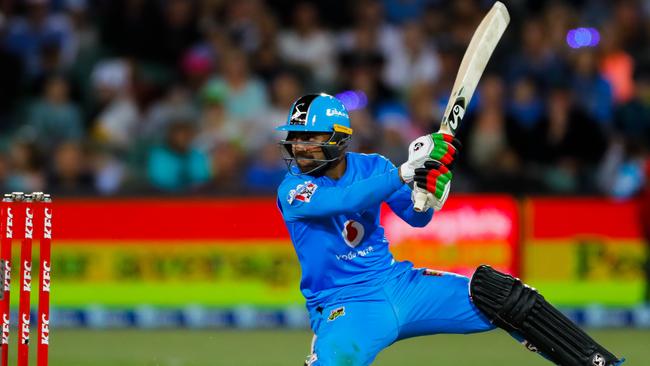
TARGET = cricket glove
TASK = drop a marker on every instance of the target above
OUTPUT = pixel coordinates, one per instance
(434, 181)
(437, 146)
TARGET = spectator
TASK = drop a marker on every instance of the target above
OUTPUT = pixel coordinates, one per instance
(215, 125)
(414, 62)
(175, 166)
(54, 119)
(231, 69)
(285, 89)
(70, 173)
(371, 31)
(487, 141)
(228, 164)
(404, 11)
(266, 171)
(568, 144)
(197, 65)
(617, 65)
(245, 96)
(176, 32)
(536, 59)
(593, 93)
(117, 120)
(631, 118)
(177, 104)
(307, 45)
(244, 24)
(39, 32)
(85, 36)
(525, 110)
(27, 168)
(621, 173)
(110, 173)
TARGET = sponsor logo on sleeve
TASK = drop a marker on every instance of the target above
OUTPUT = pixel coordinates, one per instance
(336, 313)
(432, 272)
(303, 192)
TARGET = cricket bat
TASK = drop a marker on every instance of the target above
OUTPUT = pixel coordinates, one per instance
(476, 57)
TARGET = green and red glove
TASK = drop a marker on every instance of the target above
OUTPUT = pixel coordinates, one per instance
(436, 146)
(445, 148)
(434, 180)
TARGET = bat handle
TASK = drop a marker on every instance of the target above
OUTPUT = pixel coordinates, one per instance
(420, 201)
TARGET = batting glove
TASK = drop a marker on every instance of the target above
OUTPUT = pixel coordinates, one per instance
(436, 146)
(434, 180)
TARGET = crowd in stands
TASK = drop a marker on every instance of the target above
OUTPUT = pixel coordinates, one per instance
(123, 97)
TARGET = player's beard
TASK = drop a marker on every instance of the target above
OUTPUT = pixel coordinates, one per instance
(316, 167)
(306, 165)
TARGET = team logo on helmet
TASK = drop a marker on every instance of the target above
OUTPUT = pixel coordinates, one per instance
(353, 233)
(298, 117)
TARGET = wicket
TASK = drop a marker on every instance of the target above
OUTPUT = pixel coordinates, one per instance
(34, 212)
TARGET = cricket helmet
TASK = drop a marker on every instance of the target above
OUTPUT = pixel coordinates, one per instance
(318, 113)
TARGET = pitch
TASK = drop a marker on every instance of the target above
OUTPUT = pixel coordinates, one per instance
(75, 347)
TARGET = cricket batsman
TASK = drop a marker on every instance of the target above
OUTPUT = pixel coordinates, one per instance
(360, 299)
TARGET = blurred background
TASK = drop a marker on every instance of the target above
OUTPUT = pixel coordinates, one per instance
(151, 123)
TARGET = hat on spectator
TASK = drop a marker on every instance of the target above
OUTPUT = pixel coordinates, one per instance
(213, 93)
(111, 74)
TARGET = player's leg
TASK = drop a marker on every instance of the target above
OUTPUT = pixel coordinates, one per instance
(432, 302)
(521, 310)
(352, 333)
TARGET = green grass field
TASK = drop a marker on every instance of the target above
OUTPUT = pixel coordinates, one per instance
(288, 348)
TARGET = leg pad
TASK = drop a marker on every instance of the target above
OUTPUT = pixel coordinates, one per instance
(516, 307)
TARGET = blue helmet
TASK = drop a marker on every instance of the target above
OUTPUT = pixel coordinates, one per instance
(318, 113)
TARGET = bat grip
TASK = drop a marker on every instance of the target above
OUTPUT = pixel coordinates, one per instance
(420, 201)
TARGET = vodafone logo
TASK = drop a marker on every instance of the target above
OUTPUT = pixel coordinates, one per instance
(352, 233)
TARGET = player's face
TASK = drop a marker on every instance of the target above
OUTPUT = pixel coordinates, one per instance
(301, 152)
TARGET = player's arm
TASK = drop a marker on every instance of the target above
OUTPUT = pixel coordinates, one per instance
(402, 205)
(306, 200)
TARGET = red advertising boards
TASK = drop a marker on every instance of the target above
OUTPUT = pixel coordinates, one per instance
(469, 231)
(584, 250)
(233, 251)
(171, 219)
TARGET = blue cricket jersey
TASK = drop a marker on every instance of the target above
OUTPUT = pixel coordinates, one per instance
(334, 225)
